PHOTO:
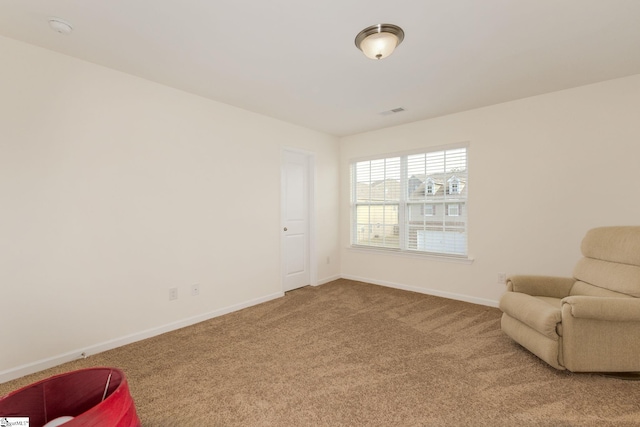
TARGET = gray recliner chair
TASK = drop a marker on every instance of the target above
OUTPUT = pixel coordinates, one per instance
(589, 322)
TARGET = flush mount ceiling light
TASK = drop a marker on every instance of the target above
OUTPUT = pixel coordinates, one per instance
(60, 26)
(379, 41)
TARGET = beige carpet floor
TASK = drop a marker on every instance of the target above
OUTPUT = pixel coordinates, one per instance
(353, 354)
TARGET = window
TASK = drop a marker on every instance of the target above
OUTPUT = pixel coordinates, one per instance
(412, 202)
(376, 208)
(430, 187)
(454, 185)
(428, 210)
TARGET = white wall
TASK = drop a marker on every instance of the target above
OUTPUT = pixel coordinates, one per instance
(115, 189)
(542, 171)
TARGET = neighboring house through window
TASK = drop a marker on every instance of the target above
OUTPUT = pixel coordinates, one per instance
(412, 202)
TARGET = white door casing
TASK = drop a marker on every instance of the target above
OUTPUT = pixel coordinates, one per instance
(296, 213)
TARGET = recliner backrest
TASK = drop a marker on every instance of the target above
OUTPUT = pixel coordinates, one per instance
(611, 262)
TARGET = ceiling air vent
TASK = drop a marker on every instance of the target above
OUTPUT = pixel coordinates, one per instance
(392, 111)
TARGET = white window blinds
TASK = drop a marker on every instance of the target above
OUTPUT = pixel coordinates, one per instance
(414, 202)
(376, 204)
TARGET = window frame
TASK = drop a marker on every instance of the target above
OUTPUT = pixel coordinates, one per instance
(406, 202)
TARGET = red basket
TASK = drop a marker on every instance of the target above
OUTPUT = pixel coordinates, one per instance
(94, 397)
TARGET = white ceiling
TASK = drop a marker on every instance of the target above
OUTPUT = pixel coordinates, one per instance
(295, 60)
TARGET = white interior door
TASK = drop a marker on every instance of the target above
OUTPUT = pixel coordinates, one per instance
(295, 220)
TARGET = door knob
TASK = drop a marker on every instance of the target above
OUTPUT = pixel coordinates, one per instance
(285, 229)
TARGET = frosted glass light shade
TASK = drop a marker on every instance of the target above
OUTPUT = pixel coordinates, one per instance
(379, 45)
(379, 41)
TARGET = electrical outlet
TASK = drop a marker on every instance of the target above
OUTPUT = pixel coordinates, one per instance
(502, 278)
(173, 294)
(328, 260)
(195, 290)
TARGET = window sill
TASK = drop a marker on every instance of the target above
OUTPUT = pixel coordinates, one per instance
(457, 259)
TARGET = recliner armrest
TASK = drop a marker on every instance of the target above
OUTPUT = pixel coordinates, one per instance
(544, 286)
(602, 308)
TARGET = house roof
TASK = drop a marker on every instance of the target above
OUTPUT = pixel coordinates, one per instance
(440, 182)
(296, 60)
(389, 189)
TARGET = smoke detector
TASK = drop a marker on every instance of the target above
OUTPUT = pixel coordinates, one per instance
(60, 26)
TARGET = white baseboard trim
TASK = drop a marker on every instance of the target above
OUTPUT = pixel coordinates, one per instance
(328, 279)
(434, 292)
(40, 365)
